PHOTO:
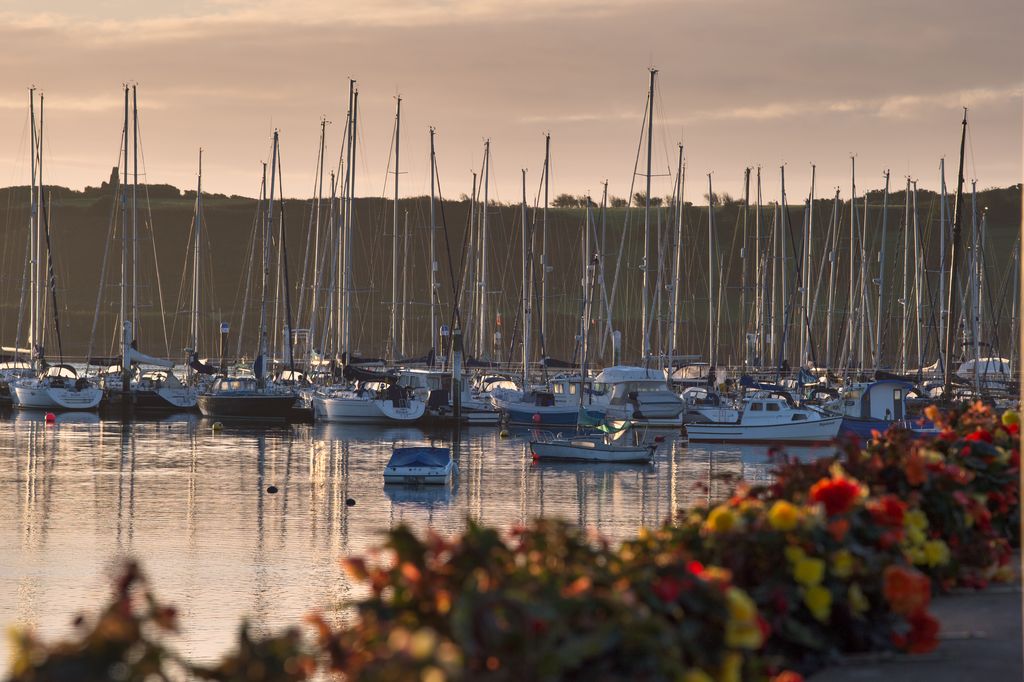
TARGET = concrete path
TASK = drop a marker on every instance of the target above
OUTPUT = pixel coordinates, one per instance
(981, 639)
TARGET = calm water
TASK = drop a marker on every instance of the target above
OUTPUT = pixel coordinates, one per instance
(192, 505)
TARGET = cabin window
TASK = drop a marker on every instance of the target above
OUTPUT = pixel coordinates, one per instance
(557, 388)
(572, 389)
(773, 407)
(897, 396)
(755, 407)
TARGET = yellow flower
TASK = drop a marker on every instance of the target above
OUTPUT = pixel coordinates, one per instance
(858, 602)
(783, 516)
(743, 635)
(697, 675)
(741, 606)
(1010, 417)
(732, 668)
(842, 563)
(722, 519)
(936, 553)
(809, 571)
(794, 553)
(916, 555)
(916, 536)
(819, 602)
(915, 518)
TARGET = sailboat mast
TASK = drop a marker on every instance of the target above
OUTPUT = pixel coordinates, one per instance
(526, 293)
(712, 345)
(677, 279)
(904, 302)
(833, 256)
(405, 280)
(918, 281)
(350, 222)
(645, 312)
(194, 340)
(544, 247)
(881, 274)
(135, 213)
(433, 255)
(394, 236)
(943, 232)
(314, 294)
(805, 275)
(743, 263)
(954, 258)
(125, 324)
(482, 346)
(267, 235)
(34, 342)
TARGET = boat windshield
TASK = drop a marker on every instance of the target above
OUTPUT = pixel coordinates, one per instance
(234, 385)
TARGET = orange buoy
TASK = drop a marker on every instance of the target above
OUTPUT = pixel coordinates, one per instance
(50, 418)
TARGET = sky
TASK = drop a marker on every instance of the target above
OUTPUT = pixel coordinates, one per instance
(741, 83)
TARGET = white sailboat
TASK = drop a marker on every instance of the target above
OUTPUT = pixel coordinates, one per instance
(58, 387)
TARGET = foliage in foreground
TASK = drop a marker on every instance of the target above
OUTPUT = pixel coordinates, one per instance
(836, 556)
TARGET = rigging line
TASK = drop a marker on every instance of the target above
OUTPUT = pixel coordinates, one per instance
(103, 267)
(52, 278)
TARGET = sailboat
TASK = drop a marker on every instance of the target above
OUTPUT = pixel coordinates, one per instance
(58, 387)
(253, 397)
(126, 385)
(371, 397)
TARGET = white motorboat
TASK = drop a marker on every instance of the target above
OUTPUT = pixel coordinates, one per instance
(591, 448)
(701, 405)
(58, 388)
(363, 406)
(639, 395)
(770, 419)
(421, 465)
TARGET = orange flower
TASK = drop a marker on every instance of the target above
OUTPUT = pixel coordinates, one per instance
(907, 591)
(838, 528)
(915, 469)
(888, 511)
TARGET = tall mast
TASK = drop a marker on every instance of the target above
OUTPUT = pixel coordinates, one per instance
(954, 259)
(975, 280)
(784, 298)
(314, 311)
(805, 276)
(833, 257)
(677, 279)
(135, 213)
(526, 294)
(712, 342)
(40, 238)
(433, 256)
(349, 222)
(194, 336)
(762, 276)
(267, 235)
(394, 233)
(918, 277)
(645, 312)
(943, 232)
(881, 274)
(125, 323)
(405, 279)
(544, 246)
(483, 346)
(904, 302)
(850, 322)
(743, 261)
(34, 341)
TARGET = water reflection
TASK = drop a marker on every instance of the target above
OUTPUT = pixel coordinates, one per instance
(193, 504)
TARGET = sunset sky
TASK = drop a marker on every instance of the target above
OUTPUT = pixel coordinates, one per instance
(741, 83)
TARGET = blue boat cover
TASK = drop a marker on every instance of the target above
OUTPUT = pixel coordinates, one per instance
(422, 456)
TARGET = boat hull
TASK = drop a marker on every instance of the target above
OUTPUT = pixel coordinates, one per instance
(592, 451)
(33, 397)
(819, 431)
(360, 411)
(416, 475)
(248, 407)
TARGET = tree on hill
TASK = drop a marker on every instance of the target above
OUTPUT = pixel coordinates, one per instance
(617, 202)
(640, 199)
(565, 201)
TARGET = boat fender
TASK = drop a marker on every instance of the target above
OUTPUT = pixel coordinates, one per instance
(536, 417)
(503, 433)
(217, 426)
(50, 418)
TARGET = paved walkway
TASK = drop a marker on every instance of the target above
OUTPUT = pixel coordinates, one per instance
(981, 639)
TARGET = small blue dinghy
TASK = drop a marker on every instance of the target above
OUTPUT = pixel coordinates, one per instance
(421, 465)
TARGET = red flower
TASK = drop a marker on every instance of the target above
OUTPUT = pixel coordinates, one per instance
(695, 567)
(667, 589)
(923, 635)
(888, 511)
(907, 590)
(838, 528)
(788, 676)
(837, 494)
(979, 436)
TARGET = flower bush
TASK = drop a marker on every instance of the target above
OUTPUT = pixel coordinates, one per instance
(836, 556)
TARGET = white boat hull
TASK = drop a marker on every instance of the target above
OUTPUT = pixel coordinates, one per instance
(418, 475)
(30, 395)
(590, 450)
(357, 410)
(810, 431)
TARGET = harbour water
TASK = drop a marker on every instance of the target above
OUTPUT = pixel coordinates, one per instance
(192, 505)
